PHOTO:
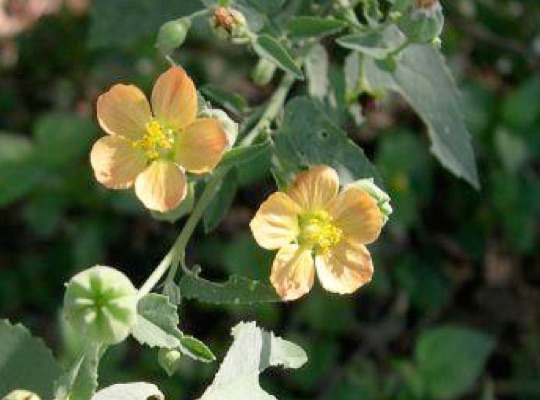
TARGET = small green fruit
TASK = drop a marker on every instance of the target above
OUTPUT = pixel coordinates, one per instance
(170, 360)
(101, 304)
(172, 35)
(263, 72)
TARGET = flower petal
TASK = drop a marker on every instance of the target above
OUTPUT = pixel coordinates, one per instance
(115, 162)
(276, 223)
(123, 111)
(357, 215)
(162, 186)
(293, 272)
(344, 268)
(200, 146)
(174, 98)
(315, 188)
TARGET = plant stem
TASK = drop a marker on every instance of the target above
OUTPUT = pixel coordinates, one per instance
(177, 251)
(271, 112)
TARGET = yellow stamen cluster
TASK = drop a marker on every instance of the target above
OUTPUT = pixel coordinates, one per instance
(155, 141)
(318, 231)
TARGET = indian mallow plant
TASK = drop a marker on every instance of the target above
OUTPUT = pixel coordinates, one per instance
(177, 148)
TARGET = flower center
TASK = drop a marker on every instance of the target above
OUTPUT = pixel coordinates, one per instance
(156, 142)
(318, 231)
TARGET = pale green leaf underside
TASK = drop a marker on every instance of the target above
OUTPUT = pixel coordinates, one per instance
(423, 79)
(130, 391)
(25, 362)
(252, 352)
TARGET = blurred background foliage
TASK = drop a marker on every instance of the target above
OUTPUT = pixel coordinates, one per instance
(453, 312)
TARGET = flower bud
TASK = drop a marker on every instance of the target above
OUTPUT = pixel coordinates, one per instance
(380, 197)
(423, 21)
(229, 126)
(21, 395)
(230, 24)
(263, 72)
(169, 360)
(101, 304)
(172, 35)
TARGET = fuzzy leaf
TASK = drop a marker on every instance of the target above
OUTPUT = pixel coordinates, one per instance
(237, 290)
(157, 322)
(308, 137)
(25, 362)
(422, 77)
(130, 391)
(306, 27)
(252, 352)
(268, 47)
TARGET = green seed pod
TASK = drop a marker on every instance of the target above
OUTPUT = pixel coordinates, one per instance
(170, 360)
(21, 395)
(229, 126)
(380, 196)
(101, 304)
(263, 72)
(422, 23)
(172, 35)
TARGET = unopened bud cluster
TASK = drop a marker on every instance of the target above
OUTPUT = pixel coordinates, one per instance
(230, 24)
(422, 21)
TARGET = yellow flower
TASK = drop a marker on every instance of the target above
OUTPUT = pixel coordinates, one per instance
(152, 148)
(318, 228)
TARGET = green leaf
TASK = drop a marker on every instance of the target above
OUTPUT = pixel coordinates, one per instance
(316, 66)
(265, 6)
(268, 47)
(130, 391)
(450, 360)
(423, 79)
(375, 43)
(241, 155)
(14, 147)
(237, 290)
(25, 362)
(252, 352)
(308, 137)
(196, 349)
(63, 139)
(306, 27)
(157, 322)
(81, 381)
(232, 102)
(121, 23)
(221, 203)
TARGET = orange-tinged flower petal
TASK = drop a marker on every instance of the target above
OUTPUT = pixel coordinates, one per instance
(174, 98)
(115, 162)
(293, 272)
(200, 146)
(357, 215)
(344, 268)
(162, 186)
(315, 188)
(276, 223)
(123, 111)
